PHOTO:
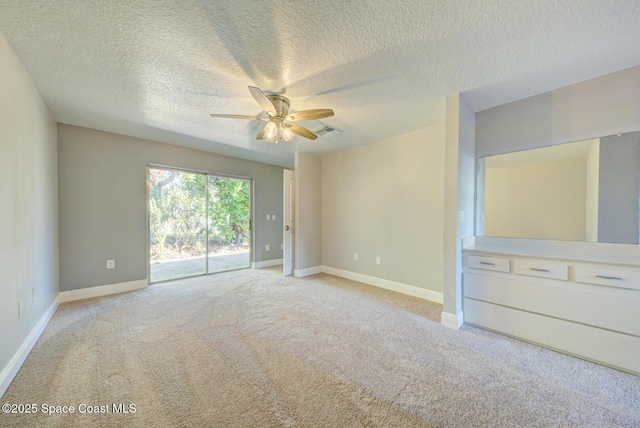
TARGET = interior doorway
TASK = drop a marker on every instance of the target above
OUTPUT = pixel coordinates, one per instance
(198, 223)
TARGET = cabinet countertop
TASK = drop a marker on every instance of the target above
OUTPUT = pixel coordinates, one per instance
(618, 254)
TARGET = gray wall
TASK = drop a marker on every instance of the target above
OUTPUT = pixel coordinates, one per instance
(308, 211)
(595, 108)
(386, 200)
(619, 192)
(102, 199)
(28, 211)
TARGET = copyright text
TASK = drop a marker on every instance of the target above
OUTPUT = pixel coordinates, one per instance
(83, 408)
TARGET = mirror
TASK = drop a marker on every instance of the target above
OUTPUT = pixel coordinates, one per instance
(581, 191)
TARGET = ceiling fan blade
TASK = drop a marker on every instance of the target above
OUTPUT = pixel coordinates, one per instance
(238, 116)
(301, 131)
(260, 135)
(310, 114)
(262, 99)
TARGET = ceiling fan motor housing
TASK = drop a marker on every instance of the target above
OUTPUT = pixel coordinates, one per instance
(281, 105)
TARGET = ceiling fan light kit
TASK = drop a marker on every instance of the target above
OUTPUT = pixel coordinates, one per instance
(279, 125)
(276, 130)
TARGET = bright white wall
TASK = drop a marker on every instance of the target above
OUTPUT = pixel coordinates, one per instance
(28, 211)
(541, 200)
(386, 200)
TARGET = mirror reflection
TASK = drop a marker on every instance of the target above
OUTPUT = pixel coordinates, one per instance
(582, 191)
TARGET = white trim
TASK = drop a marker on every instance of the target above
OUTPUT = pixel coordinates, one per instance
(103, 290)
(411, 290)
(266, 263)
(451, 320)
(11, 369)
(300, 273)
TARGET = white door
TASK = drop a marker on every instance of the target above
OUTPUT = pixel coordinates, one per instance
(289, 221)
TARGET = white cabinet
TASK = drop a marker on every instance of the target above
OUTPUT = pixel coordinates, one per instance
(589, 310)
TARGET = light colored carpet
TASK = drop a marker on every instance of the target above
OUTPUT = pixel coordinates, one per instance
(252, 348)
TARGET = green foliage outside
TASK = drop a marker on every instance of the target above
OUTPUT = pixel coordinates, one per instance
(177, 209)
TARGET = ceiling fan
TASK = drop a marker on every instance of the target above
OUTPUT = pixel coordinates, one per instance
(279, 126)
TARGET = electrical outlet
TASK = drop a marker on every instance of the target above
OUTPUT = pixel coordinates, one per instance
(461, 216)
(282, 246)
(273, 216)
(268, 217)
(355, 256)
(20, 309)
(111, 264)
(377, 260)
(266, 247)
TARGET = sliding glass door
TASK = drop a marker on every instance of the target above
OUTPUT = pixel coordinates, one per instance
(198, 223)
(229, 223)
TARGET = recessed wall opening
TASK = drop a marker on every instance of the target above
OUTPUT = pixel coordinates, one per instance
(198, 223)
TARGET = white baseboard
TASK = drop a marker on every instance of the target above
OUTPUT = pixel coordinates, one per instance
(451, 320)
(103, 290)
(300, 273)
(422, 293)
(266, 263)
(11, 369)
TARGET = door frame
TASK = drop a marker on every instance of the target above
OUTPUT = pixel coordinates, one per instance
(288, 220)
(206, 174)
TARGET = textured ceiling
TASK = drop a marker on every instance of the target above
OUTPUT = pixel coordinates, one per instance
(156, 69)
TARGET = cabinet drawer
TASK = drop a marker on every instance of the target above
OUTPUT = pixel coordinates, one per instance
(608, 347)
(608, 275)
(610, 308)
(541, 269)
(488, 263)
